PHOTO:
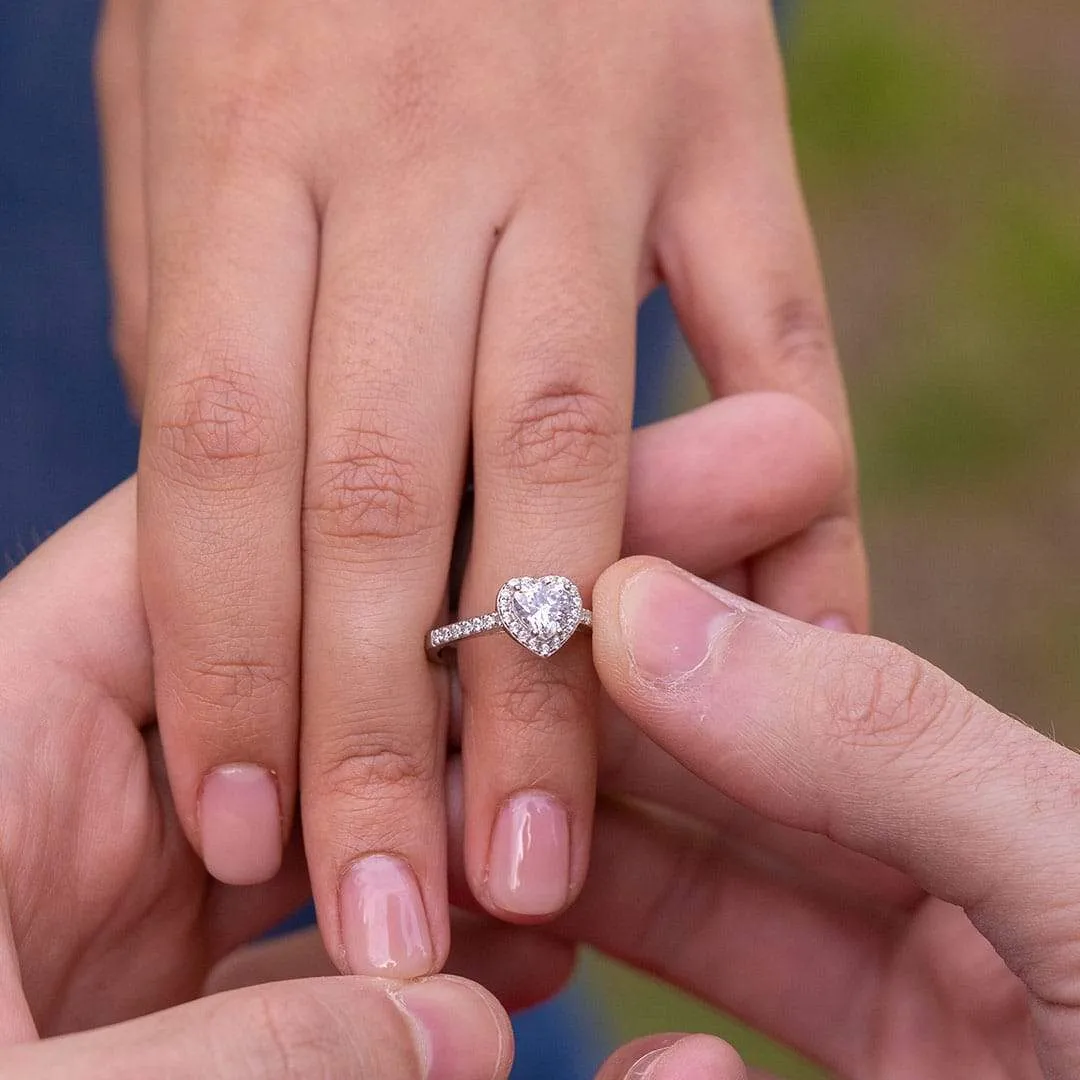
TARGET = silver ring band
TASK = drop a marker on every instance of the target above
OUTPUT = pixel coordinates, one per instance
(540, 614)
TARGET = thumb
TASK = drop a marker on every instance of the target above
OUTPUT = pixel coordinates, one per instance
(436, 1029)
(857, 739)
(676, 1057)
(77, 607)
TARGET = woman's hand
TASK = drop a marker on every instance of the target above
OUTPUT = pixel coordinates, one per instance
(347, 238)
(105, 911)
(696, 495)
(855, 854)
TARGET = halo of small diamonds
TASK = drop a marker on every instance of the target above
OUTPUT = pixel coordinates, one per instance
(539, 613)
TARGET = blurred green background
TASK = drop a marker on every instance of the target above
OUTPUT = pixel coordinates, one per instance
(940, 146)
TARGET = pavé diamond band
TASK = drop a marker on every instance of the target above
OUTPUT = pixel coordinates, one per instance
(539, 613)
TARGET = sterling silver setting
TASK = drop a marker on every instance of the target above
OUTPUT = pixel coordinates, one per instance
(539, 613)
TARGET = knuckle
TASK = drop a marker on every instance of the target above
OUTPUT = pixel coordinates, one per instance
(249, 123)
(801, 339)
(239, 701)
(884, 697)
(375, 762)
(244, 107)
(217, 427)
(562, 434)
(243, 102)
(552, 702)
(235, 684)
(370, 486)
(296, 1036)
(1051, 772)
(412, 86)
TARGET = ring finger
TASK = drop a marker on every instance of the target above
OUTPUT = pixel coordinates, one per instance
(552, 404)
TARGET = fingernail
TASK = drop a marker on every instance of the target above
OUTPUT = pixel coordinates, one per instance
(461, 1034)
(240, 824)
(841, 624)
(644, 1066)
(383, 924)
(529, 860)
(670, 622)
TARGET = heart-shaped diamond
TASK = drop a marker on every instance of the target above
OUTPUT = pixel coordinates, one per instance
(540, 613)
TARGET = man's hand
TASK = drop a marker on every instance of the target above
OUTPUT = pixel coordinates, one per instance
(348, 238)
(854, 853)
(349, 1029)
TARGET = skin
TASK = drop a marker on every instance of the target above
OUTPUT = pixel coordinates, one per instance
(818, 832)
(869, 863)
(442, 1029)
(350, 241)
(670, 1057)
(829, 838)
(107, 914)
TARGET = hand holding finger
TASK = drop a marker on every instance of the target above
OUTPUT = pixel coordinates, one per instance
(857, 739)
(439, 1029)
(519, 965)
(321, 316)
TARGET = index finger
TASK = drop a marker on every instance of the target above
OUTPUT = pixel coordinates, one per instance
(858, 740)
(220, 478)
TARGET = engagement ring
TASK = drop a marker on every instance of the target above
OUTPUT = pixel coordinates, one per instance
(539, 613)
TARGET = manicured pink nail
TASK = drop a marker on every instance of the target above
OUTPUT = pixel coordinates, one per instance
(529, 860)
(841, 624)
(383, 924)
(670, 621)
(240, 824)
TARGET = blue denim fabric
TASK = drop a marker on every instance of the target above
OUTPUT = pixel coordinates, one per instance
(65, 436)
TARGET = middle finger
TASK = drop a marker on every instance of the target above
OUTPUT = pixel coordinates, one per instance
(391, 370)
